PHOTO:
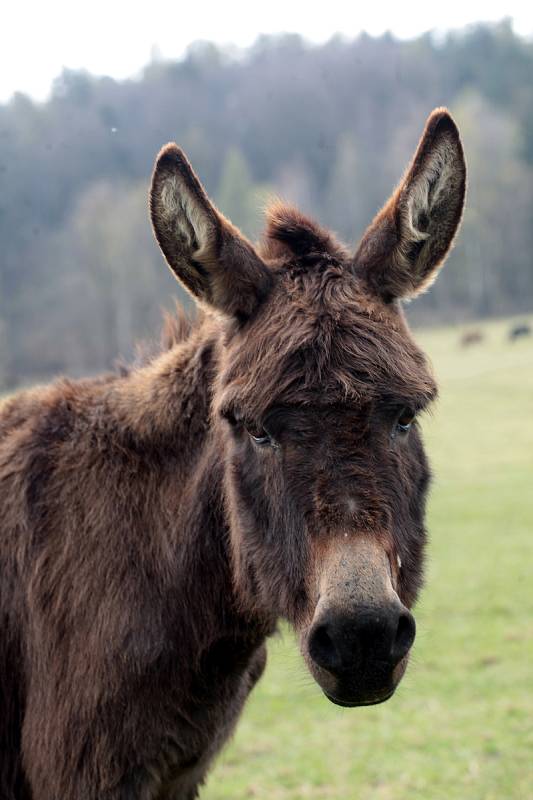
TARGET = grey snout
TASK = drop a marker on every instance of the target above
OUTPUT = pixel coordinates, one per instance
(358, 642)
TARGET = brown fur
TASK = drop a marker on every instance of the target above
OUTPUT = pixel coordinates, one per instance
(148, 545)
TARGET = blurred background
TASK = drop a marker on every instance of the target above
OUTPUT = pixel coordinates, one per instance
(322, 107)
(328, 125)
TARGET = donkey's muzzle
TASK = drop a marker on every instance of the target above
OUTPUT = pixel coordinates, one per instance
(383, 635)
(362, 650)
(357, 643)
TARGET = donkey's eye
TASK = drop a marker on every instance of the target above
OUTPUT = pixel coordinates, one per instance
(259, 435)
(404, 422)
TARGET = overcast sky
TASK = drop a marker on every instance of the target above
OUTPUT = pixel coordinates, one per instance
(39, 37)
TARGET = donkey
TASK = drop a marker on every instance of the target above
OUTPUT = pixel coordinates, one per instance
(157, 525)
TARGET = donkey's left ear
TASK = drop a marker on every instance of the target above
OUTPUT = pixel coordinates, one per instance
(207, 254)
(402, 250)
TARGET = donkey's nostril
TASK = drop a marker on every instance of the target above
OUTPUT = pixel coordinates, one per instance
(372, 636)
(405, 636)
(322, 649)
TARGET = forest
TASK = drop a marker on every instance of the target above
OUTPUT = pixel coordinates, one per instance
(327, 127)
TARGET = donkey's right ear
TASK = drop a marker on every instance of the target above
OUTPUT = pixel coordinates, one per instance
(402, 251)
(204, 250)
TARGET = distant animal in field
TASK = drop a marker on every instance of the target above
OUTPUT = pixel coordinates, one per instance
(472, 337)
(519, 331)
(157, 525)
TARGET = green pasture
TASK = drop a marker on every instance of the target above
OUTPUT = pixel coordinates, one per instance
(461, 725)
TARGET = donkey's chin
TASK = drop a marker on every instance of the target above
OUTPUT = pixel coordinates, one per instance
(356, 702)
(350, 691)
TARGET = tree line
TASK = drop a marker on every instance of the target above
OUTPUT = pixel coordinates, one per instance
(329, 128)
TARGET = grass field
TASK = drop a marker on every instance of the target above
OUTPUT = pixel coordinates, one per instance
(461, 725)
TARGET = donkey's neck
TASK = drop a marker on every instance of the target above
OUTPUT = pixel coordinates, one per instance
(165, 406)
(163, 411)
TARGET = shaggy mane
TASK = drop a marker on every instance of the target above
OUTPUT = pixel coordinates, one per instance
(177, 326)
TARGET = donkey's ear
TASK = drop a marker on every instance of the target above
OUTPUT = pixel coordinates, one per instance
(203, 249)
(402, 250)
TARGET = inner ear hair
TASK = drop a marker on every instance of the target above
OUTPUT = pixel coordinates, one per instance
(434, 177)
(406, 244)
(207, 254)
(185, 222)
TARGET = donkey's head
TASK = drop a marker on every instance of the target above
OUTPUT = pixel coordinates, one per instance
(316, 399)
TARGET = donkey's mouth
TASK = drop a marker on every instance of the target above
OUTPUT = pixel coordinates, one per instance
(360, 701)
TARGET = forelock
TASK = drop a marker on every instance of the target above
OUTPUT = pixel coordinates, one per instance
(290, 233)
(321, 339)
